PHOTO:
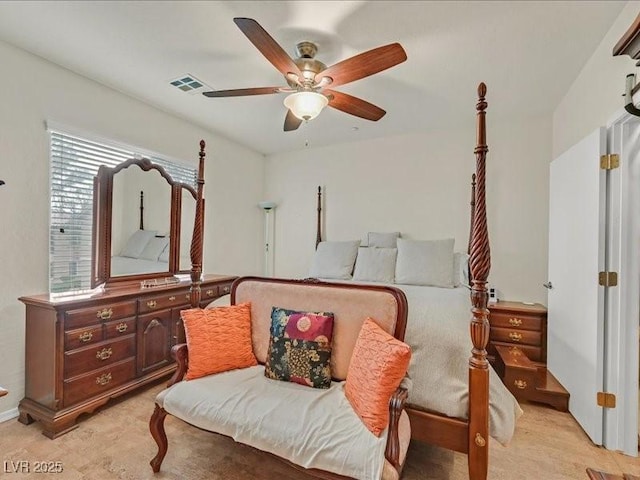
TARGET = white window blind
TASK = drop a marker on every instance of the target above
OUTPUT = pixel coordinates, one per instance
(74, 163)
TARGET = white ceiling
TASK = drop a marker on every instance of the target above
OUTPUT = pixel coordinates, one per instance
(528, 53)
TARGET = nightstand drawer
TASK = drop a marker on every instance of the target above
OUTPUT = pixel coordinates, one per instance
(520, 382)
(152, 304)
(89, 316)
(98, 381)
(533, 353)
(512, 335)
(96, 356)
(516, 320)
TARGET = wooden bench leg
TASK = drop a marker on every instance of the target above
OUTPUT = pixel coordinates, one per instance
(156, 426)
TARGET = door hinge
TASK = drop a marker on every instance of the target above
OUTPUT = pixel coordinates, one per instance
(609, 161)
(606, 400)
(608, 279)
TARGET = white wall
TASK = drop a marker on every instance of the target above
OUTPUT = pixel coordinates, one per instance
(596, 94)
(419, 185)
(32, 91)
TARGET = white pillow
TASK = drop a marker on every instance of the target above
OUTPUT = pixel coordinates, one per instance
(334, 260)
(382, 240)
(425, 262)
(164, 255)
(136, 243)
(460, 269)
(375, 264)
(154, 248)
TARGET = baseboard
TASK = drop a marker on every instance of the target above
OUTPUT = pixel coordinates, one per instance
(8, 415)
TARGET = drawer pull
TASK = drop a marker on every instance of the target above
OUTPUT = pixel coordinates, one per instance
(172, 298)
(122, 327)
(209, 293)
(516, 337)
(188, 296)
(520, 384)
(85, 336)
(105, 314)
(225, 289)
(152, 304)
(104, 354)
(103, 379)
(515, 322)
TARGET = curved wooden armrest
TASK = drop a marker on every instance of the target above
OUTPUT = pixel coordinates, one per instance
(181, 355)
(396, 406)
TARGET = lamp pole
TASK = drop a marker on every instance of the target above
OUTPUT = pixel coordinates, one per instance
(267, 207)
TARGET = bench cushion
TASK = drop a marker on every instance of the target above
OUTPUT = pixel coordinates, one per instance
(310, 427)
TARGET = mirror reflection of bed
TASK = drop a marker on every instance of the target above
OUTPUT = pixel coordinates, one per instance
(141, 222)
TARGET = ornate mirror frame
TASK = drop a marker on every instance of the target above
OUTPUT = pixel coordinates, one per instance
(103, 222)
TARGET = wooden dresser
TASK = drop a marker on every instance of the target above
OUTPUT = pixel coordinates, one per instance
(518, 352)
(83, 351)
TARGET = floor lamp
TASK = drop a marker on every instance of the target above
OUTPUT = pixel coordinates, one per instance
(268, 248)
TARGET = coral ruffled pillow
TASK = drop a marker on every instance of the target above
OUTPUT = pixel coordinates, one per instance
(218, 339)
(378, 365)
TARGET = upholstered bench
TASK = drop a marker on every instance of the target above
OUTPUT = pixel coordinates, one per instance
(316, 429)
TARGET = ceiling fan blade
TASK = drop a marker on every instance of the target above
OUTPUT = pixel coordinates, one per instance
(240, 92)
(354, 106)
(267, 46)
(364, 64)
(291, 122)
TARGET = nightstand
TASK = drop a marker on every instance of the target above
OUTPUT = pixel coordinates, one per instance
(518, 351)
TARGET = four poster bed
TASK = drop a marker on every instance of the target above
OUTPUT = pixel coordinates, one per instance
(444, 408)
(452, 403)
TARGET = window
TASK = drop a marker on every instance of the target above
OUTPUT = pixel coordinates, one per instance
(74, 163)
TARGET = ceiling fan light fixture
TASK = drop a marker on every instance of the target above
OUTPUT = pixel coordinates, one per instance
(306, 105)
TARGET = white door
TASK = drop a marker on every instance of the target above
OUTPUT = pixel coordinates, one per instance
(575, 335)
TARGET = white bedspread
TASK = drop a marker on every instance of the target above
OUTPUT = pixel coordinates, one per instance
(438, 333)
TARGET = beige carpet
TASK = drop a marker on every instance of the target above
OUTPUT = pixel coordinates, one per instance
(115, 443)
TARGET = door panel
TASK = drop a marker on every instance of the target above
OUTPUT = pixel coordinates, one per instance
(576, 254)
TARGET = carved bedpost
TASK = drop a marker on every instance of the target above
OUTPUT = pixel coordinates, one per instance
(197, 239)
(480, 262)
(141, 210)
(473, 209)
(318, 226)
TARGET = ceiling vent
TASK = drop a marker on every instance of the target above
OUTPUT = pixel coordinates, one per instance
(190, 84)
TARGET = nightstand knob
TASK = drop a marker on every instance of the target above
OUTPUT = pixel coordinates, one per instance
(516, 337)
(515, 322)
(520, 384)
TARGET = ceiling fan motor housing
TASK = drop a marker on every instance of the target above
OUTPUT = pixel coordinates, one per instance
(307, 64)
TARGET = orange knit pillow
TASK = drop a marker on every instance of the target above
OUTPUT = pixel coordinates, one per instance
(218, 339)
(378, 365)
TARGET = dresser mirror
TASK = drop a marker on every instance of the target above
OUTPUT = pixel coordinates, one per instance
(142, 222)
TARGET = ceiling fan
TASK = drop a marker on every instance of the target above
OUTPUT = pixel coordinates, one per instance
(309, 78)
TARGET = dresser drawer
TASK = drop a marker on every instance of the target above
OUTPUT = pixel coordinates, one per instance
(224, 289)
(119, 328)
(516, 320)
(98, 381)
(96, 356)
(515, 336)
(89, 316)
(160, 302)
(533, 353)
(82, 337)
(209, 293)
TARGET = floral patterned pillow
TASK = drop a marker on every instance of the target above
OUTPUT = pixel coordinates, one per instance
(300, 347)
